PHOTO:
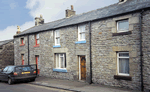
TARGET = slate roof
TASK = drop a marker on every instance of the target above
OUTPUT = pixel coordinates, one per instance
(5, 42)
(112, 10)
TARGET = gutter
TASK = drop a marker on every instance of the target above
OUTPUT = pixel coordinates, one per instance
(141, 52)
(28, 51)
(90, 53)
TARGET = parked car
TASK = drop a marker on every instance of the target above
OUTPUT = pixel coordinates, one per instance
(21, 72)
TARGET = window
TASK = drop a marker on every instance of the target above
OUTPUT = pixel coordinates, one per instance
(10, 69)
(123, 63)
(37, 39)
(22, 57)
(5, 69)
(122, 26)
(22, 41)
(81, 32)
(60, 60)
(57, 37)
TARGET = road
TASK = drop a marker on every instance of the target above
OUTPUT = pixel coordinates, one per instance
(26, 87)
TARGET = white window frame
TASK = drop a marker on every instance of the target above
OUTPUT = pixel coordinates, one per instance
(118, 63)
(59, 60)
(57, 37)
(79, 32)
(119, 31)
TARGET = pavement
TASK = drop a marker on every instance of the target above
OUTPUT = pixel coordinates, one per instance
(76, 86)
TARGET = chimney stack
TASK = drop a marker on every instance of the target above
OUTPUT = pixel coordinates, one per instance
(18, 30)
(71, 12)
(39, 20)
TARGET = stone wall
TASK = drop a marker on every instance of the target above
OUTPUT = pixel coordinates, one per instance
(45, 50)
(7, 54)
(105, 46)
(146, 48)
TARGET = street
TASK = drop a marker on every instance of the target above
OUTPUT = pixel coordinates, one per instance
(26, 87)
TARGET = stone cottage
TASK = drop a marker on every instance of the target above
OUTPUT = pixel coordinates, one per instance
(6, 53)
(108, 46)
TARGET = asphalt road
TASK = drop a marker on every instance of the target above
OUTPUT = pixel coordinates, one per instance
(26, 87)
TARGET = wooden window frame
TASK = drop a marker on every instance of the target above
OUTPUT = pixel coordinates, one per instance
(64, 61)
(22, 42)
(80, 33)
(118, 63)
(36, 40)
(57, 37)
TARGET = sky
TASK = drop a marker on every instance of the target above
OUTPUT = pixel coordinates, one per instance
(22, 13)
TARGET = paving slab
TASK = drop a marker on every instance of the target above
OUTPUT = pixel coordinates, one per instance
(76, 86)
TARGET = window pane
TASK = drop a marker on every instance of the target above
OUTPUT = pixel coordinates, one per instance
(57, 33)
(83, 35)
(38, 41)
(62, 62)
(58, 41)
(123, 54)
(57, 60)
(83, 28)
(5, 69)
(124, 65)
(37, 36)
(123, 25)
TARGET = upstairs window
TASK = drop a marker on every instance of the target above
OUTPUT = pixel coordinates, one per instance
(122, 26)
(37, 39)
(123, 63)
(57, 37)
(81, 32)
(22, 41)
(60, 60)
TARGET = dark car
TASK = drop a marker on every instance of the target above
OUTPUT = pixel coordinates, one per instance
(22, 72)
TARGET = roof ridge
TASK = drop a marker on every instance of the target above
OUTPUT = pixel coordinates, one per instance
(7, 40)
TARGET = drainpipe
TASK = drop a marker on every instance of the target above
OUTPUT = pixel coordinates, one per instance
(141, 52)
(90, 52)
(28, 51)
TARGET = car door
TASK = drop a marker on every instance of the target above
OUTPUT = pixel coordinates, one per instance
(9, 72)
(3, 74)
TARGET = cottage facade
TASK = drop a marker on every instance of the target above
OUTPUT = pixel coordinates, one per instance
(6, 53)
(105, 46)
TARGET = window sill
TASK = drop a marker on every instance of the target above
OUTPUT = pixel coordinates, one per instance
(122, 33)
(121, 77)
(22, 44)
(59, 70)
(79, 42)
(57, 46)
(36, 45)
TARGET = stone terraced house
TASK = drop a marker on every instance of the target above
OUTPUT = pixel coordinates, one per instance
(6, 53)
(108, 46)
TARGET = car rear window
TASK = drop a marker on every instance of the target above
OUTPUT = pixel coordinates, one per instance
(24, 68)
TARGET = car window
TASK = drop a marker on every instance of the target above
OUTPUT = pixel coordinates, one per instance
(23, 69)
(5, 69)
(10, 69)
(26, 69)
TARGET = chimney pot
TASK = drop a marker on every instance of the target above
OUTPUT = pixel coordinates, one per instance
(71, 7)
(18, 30)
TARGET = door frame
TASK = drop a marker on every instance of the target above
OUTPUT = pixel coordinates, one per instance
(80, 65)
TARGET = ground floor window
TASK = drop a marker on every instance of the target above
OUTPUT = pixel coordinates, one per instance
(60, 60)
(123, 63)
